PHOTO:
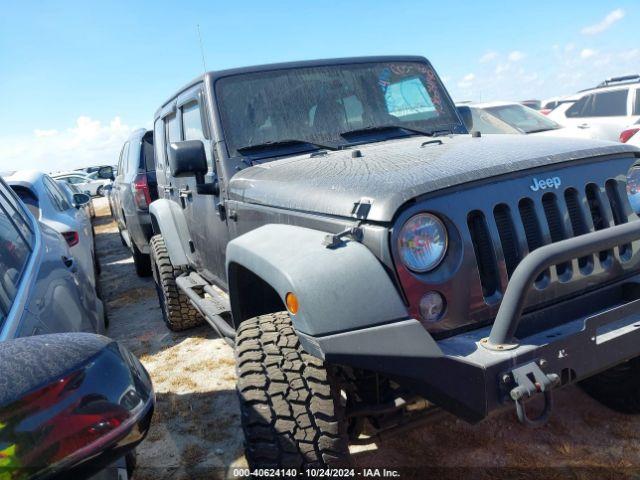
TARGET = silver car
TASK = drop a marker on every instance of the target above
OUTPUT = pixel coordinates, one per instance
(42, 290)
(51, 205)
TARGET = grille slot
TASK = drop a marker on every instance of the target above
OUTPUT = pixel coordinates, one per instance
(598, 215)
(556, 230)
(532, 229)
(578, 224)
(485, 254)
(612, 188)
(508, 237)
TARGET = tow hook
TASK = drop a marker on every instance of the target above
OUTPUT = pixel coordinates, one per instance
(530, 380)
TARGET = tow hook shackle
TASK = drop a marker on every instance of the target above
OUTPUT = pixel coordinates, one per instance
(530, 380)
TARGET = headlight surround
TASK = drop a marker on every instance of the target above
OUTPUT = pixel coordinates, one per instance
(422, 242)
(633, 187)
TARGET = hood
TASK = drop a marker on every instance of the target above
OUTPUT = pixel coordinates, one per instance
(394, 172)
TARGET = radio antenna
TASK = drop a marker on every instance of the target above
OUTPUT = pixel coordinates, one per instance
(204, 65)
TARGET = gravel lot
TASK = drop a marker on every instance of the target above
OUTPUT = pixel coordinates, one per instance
(196, 428)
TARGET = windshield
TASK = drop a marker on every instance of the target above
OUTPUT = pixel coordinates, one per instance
(315, 105)
(523, 118)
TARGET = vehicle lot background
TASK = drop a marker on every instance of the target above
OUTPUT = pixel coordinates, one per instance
(196, 427)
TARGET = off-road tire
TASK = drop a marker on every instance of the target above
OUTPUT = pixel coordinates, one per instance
(141, 261)
(291, 409)
(617, 388)
(177, 311)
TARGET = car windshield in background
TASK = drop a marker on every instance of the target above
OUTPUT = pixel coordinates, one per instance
(313, 106)
(485, 122)
(523, 118)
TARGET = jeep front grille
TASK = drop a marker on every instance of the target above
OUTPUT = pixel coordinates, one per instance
(502, 238)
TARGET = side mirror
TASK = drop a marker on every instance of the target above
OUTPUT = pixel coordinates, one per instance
(106, 173)
(107, 188)
(70, 405)
(81, 199)
(466, 117)
(187, 159)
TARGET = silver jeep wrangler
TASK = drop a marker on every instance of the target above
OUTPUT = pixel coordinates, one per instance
(380, 262)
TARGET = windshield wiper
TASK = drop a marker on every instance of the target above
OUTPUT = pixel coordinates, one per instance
(282, 143)
(383, 128)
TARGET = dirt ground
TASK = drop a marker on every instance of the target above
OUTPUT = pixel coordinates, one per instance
(196, 428)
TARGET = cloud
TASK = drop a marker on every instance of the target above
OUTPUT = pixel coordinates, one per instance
(611, 18)
(87, 142)
(516, 56)
(587, 53)
(501, 68)
(467, 80)
(488, 56)
(45, 133)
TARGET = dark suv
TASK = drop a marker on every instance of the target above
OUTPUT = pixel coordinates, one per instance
(380, 262)
(134, 188)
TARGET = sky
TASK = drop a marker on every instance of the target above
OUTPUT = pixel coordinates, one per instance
(76, 77)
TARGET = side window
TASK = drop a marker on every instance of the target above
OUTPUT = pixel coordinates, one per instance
(192, 126)
(14, 254)
(134, 156)
(610, 104)
(579, 108)
(11, 205)
(172, 130)
(125, 159)
(120, 161)
(58, 198)
(192, 122)
(636, 103)
(158, 138)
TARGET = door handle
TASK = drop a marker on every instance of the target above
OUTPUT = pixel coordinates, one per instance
(70, 263)
(185, 192)
(583, 125)
(168, 189)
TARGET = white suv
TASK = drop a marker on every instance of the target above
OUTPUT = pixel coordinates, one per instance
(606, 109)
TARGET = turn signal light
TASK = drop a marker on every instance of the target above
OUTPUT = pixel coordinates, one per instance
(292, 303)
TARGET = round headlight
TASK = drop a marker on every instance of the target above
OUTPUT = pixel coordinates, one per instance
(422, 242)
(633, 188)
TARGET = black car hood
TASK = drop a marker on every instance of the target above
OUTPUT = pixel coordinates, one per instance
(393, 172)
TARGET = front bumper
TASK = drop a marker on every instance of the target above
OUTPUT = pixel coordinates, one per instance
(473, 373)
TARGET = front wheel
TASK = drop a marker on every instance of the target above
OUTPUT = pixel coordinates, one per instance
(291, 408)
(100, 191)
(617, 388)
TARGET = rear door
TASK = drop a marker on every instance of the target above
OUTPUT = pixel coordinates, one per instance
(604, 114)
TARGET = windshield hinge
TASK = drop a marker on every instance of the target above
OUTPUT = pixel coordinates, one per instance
(336, 240)
(361, 208)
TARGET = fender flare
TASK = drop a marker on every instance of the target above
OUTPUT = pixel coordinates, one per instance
(168, 220)
(338, 289)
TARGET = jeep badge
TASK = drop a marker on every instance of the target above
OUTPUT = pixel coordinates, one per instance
(551, 182)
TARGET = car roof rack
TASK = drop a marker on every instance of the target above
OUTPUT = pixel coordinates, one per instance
(618, 80)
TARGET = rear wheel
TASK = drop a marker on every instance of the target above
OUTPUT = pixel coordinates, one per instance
(177, 311)
(617, 388)
(291, 408)
(100, 191)
(141, 261)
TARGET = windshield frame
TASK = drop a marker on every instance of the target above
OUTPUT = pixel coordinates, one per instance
(219, 124)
